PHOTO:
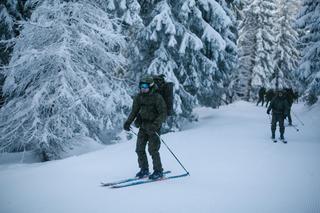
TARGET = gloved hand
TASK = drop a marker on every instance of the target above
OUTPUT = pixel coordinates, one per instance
(268, 112)
(126, 126)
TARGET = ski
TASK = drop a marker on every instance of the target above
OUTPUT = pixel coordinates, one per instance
(126, 180)
(146, 181)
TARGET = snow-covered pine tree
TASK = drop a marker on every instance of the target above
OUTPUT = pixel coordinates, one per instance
(286, 53)
(214, 24)
(155, 54)
(256, 43)
(62, 81)
(8, 16)
(11, 13)
(125, 10)
(309, 69)
(7, 32)
(232, 8)
(127, 14)
(237, 8)
(192, 44)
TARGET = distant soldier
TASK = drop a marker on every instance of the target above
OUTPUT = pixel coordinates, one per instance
(269, 96)
(290, 98)
(262, 92)
(296, 96)
(280, 109)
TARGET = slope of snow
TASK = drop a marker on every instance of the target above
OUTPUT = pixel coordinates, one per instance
(234, 167)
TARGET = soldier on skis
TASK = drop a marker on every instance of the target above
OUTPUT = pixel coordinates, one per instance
(290, 98)
(280, 109)
(262, 92)
(150, 107)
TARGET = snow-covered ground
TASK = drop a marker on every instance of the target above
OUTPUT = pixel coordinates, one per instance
(234, 168)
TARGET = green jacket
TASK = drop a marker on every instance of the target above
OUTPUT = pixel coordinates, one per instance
(151, 108)
(279, 106)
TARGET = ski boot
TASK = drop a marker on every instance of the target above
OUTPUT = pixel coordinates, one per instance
(273, 137)
(282, 139)
(156, 175)
(142, 173)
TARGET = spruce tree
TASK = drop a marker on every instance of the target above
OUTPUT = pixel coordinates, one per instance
(286, 53)
(64, 79)
(256, 47)
(309, 68)
(12, 12)
(193, 44)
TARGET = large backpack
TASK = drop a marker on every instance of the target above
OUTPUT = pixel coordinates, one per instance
(165, 89)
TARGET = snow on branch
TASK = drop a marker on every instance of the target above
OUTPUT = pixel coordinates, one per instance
(191, 41)
(162, 22)
(64, 89)
(212, 36)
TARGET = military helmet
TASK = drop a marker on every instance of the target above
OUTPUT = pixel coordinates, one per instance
(148, 79)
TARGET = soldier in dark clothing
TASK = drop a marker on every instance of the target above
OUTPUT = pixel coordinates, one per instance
(296, 96)
(280, 108)
(262, 92)
(269, 96)
(290, 98)
(151, 109)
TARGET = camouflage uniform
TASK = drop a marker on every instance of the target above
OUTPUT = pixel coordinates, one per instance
(280, 108)
(290, 98)
(152, 111)
(262, 92)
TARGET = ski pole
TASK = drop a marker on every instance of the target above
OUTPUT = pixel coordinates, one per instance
(168, 149)
(173, 154)
(297, 118)
(296, 128)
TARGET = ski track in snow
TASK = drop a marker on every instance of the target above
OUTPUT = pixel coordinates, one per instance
(233, 163)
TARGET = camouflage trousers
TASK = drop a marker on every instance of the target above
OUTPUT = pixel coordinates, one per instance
(277, 117)
(151, 138)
